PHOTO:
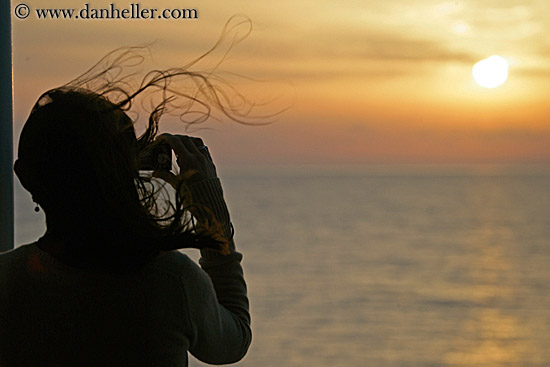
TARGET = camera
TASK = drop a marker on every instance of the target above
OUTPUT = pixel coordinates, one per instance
(156, 156)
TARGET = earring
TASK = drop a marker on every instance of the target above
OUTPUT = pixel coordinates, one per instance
(36, 208)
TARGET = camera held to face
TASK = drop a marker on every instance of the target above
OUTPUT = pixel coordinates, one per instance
(156, 157)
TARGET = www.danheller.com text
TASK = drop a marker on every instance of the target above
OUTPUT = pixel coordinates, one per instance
(133, 11)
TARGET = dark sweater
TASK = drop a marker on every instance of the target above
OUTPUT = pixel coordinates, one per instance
(52, 314)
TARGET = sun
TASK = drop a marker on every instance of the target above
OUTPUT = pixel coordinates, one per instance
(491, 72)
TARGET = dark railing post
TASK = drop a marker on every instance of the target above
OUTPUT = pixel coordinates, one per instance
(6, 130)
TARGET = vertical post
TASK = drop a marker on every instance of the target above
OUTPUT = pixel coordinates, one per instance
(6, 129)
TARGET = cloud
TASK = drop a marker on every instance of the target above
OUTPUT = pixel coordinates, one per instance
(534, 72)
(367, 44)
(402, 48)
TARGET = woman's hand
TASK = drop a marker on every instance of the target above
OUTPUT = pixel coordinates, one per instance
(193, 158)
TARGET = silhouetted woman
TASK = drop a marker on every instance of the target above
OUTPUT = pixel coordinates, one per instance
(104, 286)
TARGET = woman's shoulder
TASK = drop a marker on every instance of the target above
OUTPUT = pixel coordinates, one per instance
(175, 263)
(19, 250)
(15, 263)
(13, 255)
(188, 273)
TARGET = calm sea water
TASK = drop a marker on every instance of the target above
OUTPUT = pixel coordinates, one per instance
(389, 268)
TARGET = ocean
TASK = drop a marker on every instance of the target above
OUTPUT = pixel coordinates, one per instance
(391, 267)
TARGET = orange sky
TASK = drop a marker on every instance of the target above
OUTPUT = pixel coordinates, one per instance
(369, 81)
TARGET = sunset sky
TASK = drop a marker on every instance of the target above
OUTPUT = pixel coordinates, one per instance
(368, 81)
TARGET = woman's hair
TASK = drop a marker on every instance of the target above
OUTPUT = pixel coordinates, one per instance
(80, 143)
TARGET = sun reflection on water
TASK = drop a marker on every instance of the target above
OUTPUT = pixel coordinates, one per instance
(491, 336)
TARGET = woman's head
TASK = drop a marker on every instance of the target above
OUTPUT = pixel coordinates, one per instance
(78, 157)
(74, 147)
